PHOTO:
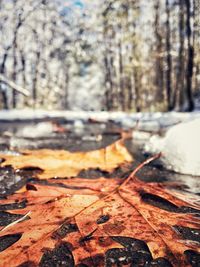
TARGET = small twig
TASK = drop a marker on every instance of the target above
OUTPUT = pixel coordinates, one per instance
(140, 166)
(15, 222)
(14, 86)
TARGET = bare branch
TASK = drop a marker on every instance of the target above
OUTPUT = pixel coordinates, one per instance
(14, 86)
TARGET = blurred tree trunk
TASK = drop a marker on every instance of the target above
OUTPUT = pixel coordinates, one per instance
(2, 71)
(159, 74)
(179, 90)
(108, 84)
(130, 93)
(194, 38)
(108, 61)
(23, 73)
(196, 44)
(23, 69)
(3, 92)
(122, 102)
(137, 89)
(168, 59)
(14, 72)
(66, 87)
(190, 57)
(35, 77)
(18, 22)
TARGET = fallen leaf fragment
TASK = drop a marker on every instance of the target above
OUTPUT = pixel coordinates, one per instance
(36, 193)
(165, 213)
(61, 163)
(124, 221)
(37, 233)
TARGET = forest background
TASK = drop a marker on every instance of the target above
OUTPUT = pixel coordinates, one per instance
(100, 55)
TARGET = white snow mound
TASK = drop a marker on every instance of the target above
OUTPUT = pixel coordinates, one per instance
(180, 147)
(35, 131)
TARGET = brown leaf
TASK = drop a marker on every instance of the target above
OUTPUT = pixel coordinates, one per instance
(165, 214)
(61, 163)
(99, 222)
(38, 233)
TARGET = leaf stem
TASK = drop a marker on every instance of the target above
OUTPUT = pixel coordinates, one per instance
(140, 166)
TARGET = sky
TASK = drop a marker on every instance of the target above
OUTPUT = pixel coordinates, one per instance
(75, 3)
(78, 3)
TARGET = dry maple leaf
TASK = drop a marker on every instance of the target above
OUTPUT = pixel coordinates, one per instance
(52, 209)
(61, 163)
(77, 222)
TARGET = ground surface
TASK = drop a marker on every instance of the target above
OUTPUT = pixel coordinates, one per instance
(82, 135)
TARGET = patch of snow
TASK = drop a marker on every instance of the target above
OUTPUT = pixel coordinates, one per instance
(149, 126)
(180, 147)
(35, 131)
(95, 138)
(78, 127)
(128, 123)
(147, 121)
(140, 135)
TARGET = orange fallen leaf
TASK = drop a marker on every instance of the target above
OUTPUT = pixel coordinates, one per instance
(61, 163)
(99, 222)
